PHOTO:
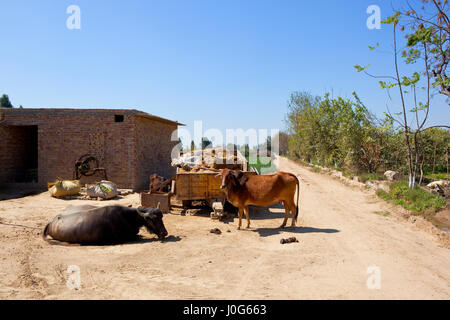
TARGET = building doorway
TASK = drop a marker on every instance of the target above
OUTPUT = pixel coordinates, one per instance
(21, 154)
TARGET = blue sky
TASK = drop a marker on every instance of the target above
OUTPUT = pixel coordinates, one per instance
(232, 64)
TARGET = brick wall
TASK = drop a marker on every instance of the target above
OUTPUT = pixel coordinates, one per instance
(66, 134)
(153, 150)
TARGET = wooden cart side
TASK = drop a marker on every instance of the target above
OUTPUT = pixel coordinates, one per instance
(198, 186)
(203, 185)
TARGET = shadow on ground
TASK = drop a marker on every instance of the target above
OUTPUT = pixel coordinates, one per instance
(17, 194)
(267, 232)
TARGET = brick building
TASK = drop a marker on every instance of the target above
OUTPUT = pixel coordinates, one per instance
(39, 145)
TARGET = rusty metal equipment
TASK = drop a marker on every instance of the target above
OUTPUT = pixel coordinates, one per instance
(159, 184)
(88, 165)
(158, 193)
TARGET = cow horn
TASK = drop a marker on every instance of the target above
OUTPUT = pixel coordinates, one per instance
(159, 205)
(140, 209)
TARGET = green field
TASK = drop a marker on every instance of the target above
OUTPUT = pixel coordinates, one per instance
(262, 164)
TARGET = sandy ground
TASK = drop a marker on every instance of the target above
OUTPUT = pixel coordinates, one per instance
(339, 239)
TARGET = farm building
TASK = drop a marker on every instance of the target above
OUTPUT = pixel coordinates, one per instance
(39, 145)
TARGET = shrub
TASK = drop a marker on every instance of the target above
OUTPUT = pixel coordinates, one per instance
(371, 176)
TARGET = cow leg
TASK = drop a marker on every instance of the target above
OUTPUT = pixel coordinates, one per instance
(286, 215)
(247, 216)
(293, 209)
(240, 218)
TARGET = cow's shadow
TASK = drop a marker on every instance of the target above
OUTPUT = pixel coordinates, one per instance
(267, 232)
(275, 211)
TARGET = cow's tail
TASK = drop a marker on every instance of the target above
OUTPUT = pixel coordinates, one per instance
(298, 195)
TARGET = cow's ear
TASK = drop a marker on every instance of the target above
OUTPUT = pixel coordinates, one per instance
(243, 179)
(240, 177)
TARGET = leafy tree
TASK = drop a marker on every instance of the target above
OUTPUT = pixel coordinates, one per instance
(334, 132)
(427, 42)
(428, 33)
(281, 139)
(206, 143)
(4, 102)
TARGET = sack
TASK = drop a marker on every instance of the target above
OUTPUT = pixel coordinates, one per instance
(63, 188)
(103, 189)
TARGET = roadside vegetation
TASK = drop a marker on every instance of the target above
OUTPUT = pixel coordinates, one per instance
(416, 200)
(344, 135)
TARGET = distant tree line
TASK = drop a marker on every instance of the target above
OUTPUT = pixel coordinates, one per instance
(342, 133)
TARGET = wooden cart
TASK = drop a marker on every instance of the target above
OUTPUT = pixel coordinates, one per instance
(204, 186)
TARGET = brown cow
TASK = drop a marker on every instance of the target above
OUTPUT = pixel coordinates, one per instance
(243, 190)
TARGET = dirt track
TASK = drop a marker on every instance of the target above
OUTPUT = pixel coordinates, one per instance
(341, 236)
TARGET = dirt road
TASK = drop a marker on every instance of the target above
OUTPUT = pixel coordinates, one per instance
(340, 237)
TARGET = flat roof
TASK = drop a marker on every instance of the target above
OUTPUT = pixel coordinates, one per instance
(132, 112)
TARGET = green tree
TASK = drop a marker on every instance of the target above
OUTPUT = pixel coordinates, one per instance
(409, 85)
(427, 28)
(281, 139)
(4, 102)
(334, 132)
(206, 143)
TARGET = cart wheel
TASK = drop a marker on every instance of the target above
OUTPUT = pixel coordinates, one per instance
(187, 203)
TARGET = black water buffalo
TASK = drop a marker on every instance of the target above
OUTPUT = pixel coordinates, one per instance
(88, 224)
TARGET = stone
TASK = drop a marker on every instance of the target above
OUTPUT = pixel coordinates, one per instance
(393, 175)
(216, 231)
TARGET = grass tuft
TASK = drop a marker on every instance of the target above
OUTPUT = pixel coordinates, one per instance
(382, 213)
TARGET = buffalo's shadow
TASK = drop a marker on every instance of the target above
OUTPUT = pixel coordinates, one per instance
(140, 240)
(267, 232)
